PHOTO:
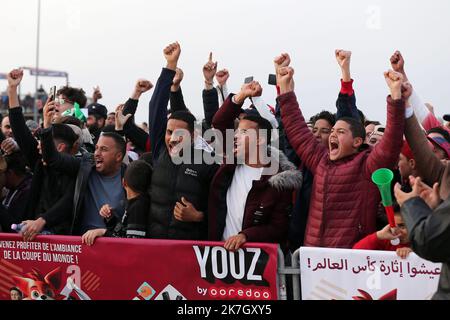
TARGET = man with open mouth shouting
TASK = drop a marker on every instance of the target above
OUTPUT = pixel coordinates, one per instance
(181, 178)
(344, 200)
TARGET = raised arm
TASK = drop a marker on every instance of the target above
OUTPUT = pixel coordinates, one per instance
(176, 94)
(210, 105)
(429, 167)
(222, 77)
(160, 99)
(126, 125)
(386, 153)
(232, 107)
(22, 135)
(141, 87)
(346, 102)
(426, 118)
(300, 137)
(56, 160)
(210, 95)
(285, 145)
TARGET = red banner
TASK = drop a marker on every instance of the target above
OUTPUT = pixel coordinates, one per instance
(54, 267)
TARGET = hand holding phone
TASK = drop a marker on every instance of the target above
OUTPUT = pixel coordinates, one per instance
(52, 94)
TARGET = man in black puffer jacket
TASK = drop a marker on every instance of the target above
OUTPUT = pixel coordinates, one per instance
(179, 188)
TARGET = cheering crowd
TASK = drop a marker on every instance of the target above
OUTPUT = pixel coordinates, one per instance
(255, 174)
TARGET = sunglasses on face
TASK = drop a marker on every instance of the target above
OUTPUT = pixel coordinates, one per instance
(62, 101)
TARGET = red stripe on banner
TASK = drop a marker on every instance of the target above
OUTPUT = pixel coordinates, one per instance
(8, 271)
(96, 287)
(6, 277)
(6, 284)
(12, 266)
(95, 283)
(90, 285)
(5, 291)
(85, 274)
(88, 279)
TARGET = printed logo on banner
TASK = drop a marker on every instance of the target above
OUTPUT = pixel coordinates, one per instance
(146, 291)
(245, 265)
(170, 293)
(366, 296)
(35, 286)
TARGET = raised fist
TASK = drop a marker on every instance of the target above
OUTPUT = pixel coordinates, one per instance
(222, 77)
(343, 58)
(407, 90)
(285, 79)
(172, 54)
(284, 60)
(252, 89)
(143, 86)
(397, 62)
(15, 77)
(97, 94)
(394, 81)
(179, 75)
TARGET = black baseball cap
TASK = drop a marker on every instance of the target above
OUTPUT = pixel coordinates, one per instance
(98, 109)
(447, 117)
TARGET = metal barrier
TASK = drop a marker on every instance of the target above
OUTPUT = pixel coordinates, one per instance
(284, 271)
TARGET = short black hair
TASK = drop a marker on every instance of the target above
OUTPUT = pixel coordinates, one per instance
(120, 142)
(64, 133)
(185, 116)
(324, 115)
(441, 131)
(16, 163)
(356, 127)
(109, 128)
(263, 124)
(368, 123)
(138, 176)
(74, 95)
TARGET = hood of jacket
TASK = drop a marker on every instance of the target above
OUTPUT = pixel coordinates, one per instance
(288, 177)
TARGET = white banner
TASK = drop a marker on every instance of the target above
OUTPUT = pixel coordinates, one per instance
(336, 274)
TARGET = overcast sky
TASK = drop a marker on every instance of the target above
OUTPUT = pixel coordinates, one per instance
(111, 43)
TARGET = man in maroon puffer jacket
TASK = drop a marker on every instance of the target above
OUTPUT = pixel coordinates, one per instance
(344, 200)
(251, 193)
